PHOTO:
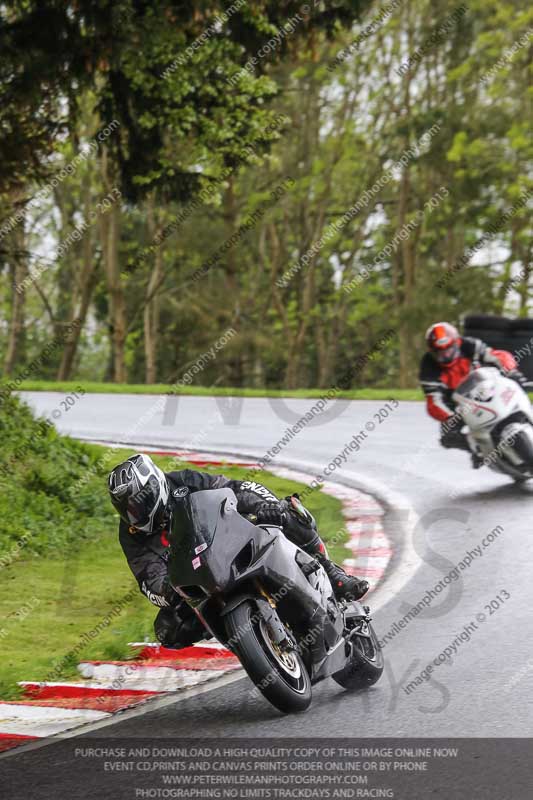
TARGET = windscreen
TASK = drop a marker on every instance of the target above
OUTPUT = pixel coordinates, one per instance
(479, 385)
(472, 382)
(195, 518)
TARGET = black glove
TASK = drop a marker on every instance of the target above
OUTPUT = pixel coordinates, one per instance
(451, 436)
(270, 513)
(295, 507)
(452, 425)
(178, 626)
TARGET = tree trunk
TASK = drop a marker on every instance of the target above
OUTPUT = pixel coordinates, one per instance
(110, 224)
(408, 281)
(18, 271)
(71, 344)
(521, 254)
(117, 300)
(231, 220)
(151, 325)
(151, 308)
(328, 333)
(80, 304)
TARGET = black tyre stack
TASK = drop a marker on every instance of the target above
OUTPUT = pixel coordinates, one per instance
(503, 333)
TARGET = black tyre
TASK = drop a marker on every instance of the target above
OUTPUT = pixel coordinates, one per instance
(489, 322)
(522, 325)
(280, 676)
(498, 339)
(523, 447)
(366, 665)
(521, 337)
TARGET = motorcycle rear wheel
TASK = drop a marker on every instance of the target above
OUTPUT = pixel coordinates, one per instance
(280, 676)
(365, 666)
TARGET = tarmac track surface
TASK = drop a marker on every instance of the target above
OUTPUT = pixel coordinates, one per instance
(483, 690)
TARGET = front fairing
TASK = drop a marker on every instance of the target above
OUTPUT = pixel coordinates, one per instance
(198, 520)
(216, 554)
(486, 397)
(215, 548)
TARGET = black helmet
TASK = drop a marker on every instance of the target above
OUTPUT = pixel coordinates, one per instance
(139, 492)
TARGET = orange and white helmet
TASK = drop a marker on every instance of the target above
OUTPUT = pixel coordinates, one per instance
(443, 342)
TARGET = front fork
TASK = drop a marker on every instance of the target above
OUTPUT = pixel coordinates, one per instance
(357, 622)
(268, 610)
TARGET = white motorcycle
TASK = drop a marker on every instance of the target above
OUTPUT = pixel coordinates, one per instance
(499, 418)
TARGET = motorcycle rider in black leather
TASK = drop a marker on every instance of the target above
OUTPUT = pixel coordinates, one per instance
(143, 496)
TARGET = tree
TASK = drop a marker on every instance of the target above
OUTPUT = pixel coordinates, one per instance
(292, 197)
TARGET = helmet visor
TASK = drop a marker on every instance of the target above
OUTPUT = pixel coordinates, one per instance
(146, 510)
(447, 354)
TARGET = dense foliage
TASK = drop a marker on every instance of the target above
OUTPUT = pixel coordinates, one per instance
(38, 467)
(355, 176)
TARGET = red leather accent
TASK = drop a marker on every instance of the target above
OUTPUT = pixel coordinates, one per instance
(506, 359)
(164, 540)
(436, 411)
(453, 373)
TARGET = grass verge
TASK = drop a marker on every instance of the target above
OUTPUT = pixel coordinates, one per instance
(161, 388)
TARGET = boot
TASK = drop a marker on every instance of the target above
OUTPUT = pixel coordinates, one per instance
(305, 535)
(178, 626)
(345, 587)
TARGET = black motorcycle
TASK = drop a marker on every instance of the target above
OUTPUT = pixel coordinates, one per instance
(268, 601)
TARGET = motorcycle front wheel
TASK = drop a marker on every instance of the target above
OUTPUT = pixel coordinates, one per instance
(365, 665)
(280, 675)
(524, 448)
